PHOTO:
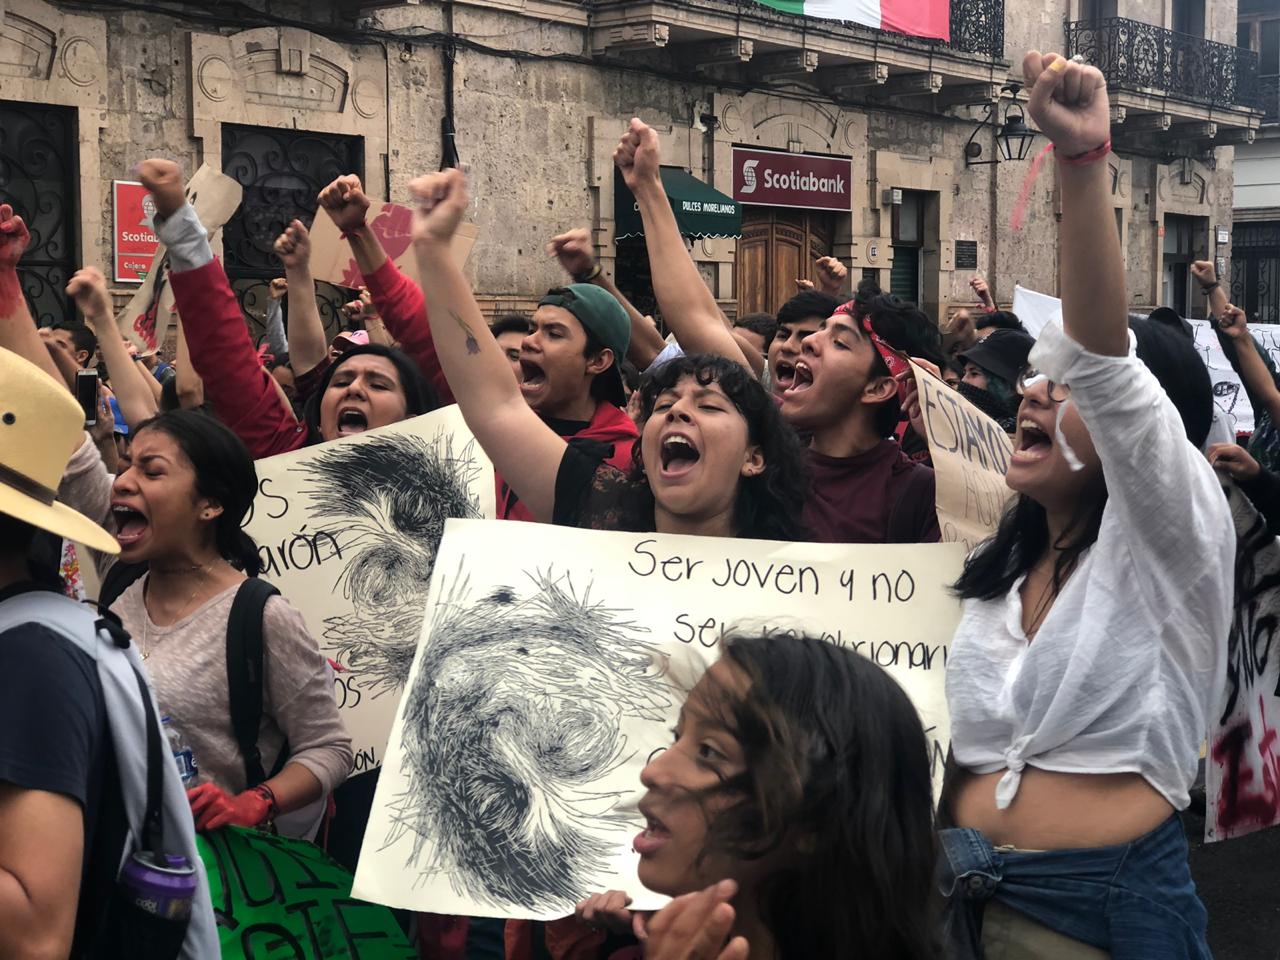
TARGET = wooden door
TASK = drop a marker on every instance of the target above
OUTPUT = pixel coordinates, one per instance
(778, 247)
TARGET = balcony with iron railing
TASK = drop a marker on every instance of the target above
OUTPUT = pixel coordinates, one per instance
(1195, 88)
(749, 40)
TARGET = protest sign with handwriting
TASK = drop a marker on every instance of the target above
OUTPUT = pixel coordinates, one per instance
(970, 456)
(552, 664)
(348, 531)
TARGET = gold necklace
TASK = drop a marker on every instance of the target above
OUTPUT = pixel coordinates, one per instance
(146, 614)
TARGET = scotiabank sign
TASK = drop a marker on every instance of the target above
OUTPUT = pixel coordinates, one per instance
(135, 241)
(792, 180)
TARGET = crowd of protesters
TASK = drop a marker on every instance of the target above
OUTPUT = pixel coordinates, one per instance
(793, 815)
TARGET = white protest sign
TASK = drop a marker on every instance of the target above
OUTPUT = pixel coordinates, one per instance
(392, 224)
(1037, 309)
(552, 664)
(970, 455)
(145, 321)
(348, 531)
(1242, 770)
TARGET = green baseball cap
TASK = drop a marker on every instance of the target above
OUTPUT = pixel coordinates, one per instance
(601, 315)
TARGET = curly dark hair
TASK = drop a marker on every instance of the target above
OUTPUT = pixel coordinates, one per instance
(769, 505)
(838, 772)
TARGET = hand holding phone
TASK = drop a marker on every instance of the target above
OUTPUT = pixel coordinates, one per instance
(87, 395)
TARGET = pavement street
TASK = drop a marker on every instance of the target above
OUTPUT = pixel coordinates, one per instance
(1239, 882)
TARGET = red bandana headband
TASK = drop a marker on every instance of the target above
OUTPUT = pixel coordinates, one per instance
(892, 358)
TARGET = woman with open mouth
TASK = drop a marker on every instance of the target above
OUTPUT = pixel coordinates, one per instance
(791, 816)
(714, 456)
(1092, 644)
(176, 508)
(365, 387)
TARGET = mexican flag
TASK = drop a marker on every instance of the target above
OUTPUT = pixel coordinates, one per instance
(917, 18)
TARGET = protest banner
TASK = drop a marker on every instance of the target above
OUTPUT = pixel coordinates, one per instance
(276, 897)
(145, 321)
(392, 224)
(1242, 772)
(348, 532)
(1037, 309)
(970, 455)
(553, 663)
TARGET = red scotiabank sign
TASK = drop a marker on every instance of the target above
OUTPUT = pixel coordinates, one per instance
(135, 241)
(772, 179)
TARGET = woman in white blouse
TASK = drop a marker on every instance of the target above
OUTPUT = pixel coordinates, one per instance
(1092, 645)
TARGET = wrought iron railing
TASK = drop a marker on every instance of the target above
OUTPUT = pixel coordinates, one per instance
(1141, 56)
(1269, 98)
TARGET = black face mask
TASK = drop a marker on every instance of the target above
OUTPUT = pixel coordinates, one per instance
(1005, 414)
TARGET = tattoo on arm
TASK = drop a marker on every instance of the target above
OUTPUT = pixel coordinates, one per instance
(473, 346)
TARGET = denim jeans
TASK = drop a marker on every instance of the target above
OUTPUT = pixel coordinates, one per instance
(1135, 900)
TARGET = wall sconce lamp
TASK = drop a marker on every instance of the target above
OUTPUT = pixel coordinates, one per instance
(1013, 136)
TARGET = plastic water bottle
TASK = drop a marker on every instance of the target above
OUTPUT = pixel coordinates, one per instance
(182, 754)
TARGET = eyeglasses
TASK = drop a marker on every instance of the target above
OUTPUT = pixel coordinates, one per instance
(1031, 377)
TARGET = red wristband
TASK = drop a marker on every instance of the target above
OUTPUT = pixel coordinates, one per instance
(1089, 156)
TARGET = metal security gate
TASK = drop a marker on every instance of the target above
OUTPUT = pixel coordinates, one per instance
(40, 178)
(1255, 269)
(281, 171)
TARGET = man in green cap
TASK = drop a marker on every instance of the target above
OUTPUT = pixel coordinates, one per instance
(571, 378)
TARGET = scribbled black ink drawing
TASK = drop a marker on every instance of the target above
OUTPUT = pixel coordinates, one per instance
(387, 500)
(511, 725)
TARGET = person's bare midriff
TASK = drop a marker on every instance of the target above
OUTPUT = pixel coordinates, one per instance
(1060, 811)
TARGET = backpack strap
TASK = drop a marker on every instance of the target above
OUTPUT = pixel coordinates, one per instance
(245, 673)
(119, 578)
(152, 822)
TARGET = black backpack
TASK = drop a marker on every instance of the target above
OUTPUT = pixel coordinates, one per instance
(244, 661)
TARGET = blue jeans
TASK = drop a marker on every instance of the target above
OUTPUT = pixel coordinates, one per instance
(1135, 900)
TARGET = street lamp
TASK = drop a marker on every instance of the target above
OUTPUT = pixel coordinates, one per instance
(1013, 136)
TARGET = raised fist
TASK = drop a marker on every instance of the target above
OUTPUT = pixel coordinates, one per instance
(346, 203)
(14, 237)
(1068, 102)
(1232, 322)
(163, 179)
(831, 275)
(573, 250)
(279, 286)
(441, 200)
(638, 155)
(88, 288)
(1204, 272)
(293, 247)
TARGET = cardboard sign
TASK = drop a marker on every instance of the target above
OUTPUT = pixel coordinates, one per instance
(132, 210)
(970, 456)
(275, 897)
(392, 224)
(348, 531)
(772, 179)
(145, 321)
(552, 665)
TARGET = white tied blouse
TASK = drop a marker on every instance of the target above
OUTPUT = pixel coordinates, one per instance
(1131, 659)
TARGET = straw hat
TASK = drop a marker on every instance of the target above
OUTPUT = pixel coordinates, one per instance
(41, 426)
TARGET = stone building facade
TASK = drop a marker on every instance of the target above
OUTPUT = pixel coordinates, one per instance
(533, 94)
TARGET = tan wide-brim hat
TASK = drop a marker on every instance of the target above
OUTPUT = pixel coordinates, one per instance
(41, 426)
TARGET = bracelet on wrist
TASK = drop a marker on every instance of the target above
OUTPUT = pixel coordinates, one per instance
(266, 794)
(1089, 156)
(1208, 288)
(355, 232)
(589, 275)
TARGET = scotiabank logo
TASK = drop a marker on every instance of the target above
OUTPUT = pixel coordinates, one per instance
(792, 180)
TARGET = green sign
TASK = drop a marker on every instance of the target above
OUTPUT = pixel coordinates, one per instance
(281, 899)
